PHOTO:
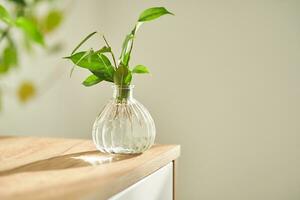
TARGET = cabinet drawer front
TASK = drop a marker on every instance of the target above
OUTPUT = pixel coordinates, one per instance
(157, 186)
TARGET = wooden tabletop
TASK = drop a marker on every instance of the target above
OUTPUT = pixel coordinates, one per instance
(51, 168)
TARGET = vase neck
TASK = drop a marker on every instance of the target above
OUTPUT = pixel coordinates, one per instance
(122, 93)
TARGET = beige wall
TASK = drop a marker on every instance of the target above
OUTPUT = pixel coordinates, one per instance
(224, 85)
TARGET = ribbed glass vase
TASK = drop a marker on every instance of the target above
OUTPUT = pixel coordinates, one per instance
(124, 126)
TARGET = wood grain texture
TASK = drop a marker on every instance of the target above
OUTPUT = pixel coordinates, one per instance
(50, 168)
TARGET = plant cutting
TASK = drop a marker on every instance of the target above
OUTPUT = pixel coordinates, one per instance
(124, 125)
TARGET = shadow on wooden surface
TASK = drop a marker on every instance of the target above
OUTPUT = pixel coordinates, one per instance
(5, 137)
(76, 160)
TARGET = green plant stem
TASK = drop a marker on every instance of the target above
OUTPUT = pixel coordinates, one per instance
(123, 94)
(131, 46)
(111, 52)
(133, 32)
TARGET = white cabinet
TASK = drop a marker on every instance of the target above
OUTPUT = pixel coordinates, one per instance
(157, 186)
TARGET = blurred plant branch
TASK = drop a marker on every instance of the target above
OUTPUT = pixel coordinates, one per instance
(23, 16)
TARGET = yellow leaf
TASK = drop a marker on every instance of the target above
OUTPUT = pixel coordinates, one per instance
(52, 21)
(26, 91)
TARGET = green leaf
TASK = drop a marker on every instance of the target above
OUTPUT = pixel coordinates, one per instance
(104, 49)
(140, 69)
(30, 29)
(91, 80)
(83, 41)
(4, 16)
(19, 2)
(153, 13)
(90, 60)
(3, 68)
(10, 57)
(122, 76)
(126, 58)
(106, 74)
(82, 57)
(52, 20)
(128, 78)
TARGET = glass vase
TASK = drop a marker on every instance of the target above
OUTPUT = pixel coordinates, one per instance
(124, 126)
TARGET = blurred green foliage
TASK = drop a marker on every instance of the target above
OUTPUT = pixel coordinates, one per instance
(22, 16)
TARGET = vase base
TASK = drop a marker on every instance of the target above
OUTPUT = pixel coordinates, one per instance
(120, 150)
